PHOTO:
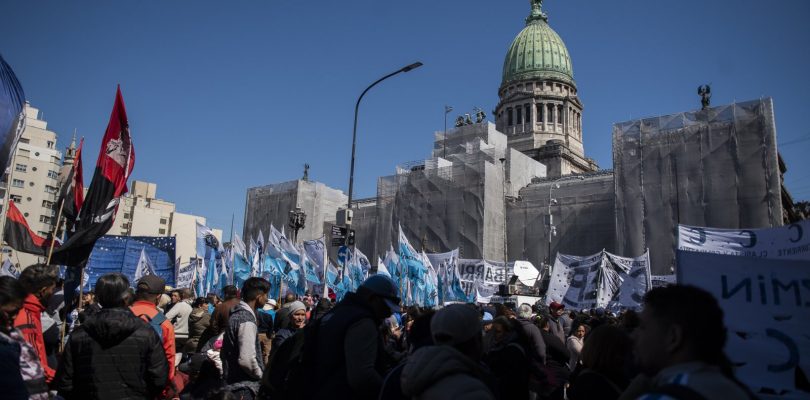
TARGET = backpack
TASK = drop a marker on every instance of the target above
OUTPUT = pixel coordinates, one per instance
(155, 322)
(286, 374)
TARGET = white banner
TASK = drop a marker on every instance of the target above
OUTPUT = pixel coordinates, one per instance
(635, 276)
(662, 280)
(789, 242)
(765, 306)
(481, 277)
(185, 275)
(599, 280)
(574, 281)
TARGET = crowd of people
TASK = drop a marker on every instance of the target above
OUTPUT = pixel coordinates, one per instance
(142, 340)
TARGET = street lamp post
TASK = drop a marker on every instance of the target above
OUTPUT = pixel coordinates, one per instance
(354, 131)
(552, 230)
(298, 219)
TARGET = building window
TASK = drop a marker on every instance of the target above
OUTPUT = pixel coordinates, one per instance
(45, 219)
(519, 110)
(53, 174)
(539, 112)
(18, 183)
(560, 119)
(16, 198)
(50, 189)
(48, 204)
(127, 216)
(20, 167)
(164, 221)
(528, 108)
(509, 116)
(162, 231)
(551, 113)
(24, 140)
(50, 144)
(24, 153)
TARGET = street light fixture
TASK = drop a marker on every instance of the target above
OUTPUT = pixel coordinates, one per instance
(406, 68)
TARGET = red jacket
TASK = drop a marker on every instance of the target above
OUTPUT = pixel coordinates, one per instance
(149, 309)
(29, 322)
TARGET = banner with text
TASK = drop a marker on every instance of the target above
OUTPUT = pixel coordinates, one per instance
(765, 309)
(789, 242)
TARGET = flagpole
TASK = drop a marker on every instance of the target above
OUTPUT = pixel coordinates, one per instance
(55, 230)
(6, 199)
(325, 263)
(233, 253)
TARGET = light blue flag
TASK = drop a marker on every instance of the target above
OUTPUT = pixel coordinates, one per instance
(411, 261)
(308, 266)
(241, 270)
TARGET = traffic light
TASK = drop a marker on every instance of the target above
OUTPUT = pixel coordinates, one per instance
(350, 238)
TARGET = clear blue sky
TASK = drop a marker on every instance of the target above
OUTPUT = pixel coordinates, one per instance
(227, 95)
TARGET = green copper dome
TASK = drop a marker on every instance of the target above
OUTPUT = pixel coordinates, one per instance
(537, 52)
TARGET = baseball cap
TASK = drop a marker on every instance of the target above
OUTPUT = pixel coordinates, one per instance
(487, 318)
(554, 306)
(152, 284)
(271, 303)
(384, 287)
(455, 324)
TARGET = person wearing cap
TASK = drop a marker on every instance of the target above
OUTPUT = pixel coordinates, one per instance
(451, 369)
(555, 312)
(347, 343)
(147, 294)
(113, 355)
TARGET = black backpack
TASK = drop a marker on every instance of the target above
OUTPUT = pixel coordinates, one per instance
(286, 374)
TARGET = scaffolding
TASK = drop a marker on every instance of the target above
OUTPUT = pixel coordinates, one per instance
(716, 167)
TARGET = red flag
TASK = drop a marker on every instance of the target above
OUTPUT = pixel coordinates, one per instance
(71, 196)
(19, 235)
(113, 168)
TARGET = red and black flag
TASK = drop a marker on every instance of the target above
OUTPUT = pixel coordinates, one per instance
(71, 196)
(19, 235)
(113, 167)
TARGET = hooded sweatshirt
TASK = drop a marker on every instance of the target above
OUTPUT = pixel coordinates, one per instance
(29, 322)
(114, 355)
(442, 372)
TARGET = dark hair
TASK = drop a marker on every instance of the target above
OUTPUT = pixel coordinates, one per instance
(420, 334)
(38, 276)
(230, 292)
(605, 350)
(697, 313)
(199, 301)
(504, 322)
(11, 290)
(253, 287)
(112, 290)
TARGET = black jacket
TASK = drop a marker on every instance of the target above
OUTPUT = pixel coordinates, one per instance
(114, 355)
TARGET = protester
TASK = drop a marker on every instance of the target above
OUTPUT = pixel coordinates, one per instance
(39, 281)
(508, 360)
(419, 336)
(113, 355)
(147, 294)
(574, 345)
(204, 378)
(679, 348)
(295, 319)
(605, 359)
(348, 342)
(22, 375)
(555, 320)
(219, 319)
(213, 301)
(323, 307)
(393, 343)
(450, 369)
(179, 314)
(557, 357)
(241, 352)
(198, 322)
(265, 319)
